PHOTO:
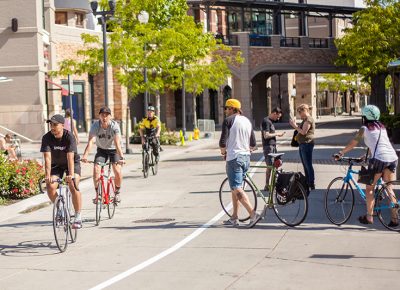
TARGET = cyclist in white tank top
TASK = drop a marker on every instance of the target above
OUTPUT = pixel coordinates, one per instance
(383, 162)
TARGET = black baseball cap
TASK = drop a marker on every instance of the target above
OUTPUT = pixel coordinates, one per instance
(56, 119)
(105, 110)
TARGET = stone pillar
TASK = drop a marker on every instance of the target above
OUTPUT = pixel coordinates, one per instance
(259, 98)
(244, 95)
(206, 104)
(306, 91)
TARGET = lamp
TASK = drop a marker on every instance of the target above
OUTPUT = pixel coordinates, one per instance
(104, 15)
(143, 18)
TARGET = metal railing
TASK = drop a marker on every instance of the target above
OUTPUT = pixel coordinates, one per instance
(206, 125)
(260, 40)
(318, 43)
(290, 42)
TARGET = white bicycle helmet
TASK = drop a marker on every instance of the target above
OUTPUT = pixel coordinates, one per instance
(371, 113)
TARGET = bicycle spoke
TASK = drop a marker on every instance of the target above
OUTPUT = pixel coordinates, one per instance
(339, 201)
(60, 224)
(387, 205)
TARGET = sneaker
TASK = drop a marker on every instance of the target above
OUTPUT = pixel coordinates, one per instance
(77, 224)
(117, 197)
(231, 222)
(254, 220)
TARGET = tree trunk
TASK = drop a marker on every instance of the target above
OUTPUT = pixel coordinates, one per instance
(194, 111)
(378, 92)
(158, 105)
(396, 92)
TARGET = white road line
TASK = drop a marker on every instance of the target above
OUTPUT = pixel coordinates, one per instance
(168, 251)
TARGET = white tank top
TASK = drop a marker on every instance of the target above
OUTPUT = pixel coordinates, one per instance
(384, 151)
(67, 124)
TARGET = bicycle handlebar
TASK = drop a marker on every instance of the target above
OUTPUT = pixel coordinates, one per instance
(338, 157)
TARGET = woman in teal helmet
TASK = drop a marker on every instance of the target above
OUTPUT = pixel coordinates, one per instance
(383, 158)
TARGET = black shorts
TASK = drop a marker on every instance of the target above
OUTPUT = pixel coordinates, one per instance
(103, 155)
(60, 170)
(266, 150)
(378, 166)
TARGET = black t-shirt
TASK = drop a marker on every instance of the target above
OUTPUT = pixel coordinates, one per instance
(269, 127)
(59, 147)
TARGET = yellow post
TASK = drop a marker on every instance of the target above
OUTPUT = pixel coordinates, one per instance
(190, 137)
(182, 141)
(196, 133)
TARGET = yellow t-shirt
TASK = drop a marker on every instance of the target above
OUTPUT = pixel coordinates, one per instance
(150, 125)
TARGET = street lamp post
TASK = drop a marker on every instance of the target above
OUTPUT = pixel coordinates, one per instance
(143, 18)
(104, 16)
(183, 101)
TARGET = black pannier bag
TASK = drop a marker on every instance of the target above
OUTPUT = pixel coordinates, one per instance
(287, 189)
(283, 185)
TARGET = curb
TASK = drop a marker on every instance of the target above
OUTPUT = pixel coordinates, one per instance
(41, 200)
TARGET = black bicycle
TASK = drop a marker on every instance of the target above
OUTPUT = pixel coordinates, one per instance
(149, 159)
(63, 214)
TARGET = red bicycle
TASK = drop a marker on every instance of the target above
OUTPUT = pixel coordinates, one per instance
(105, 192)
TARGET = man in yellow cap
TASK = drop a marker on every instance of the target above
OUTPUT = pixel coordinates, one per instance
(236, 143)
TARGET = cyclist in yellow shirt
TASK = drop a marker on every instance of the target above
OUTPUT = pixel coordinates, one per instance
(150, 127)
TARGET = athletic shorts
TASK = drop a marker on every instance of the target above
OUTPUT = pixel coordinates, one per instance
(60, 170)
(103, 155)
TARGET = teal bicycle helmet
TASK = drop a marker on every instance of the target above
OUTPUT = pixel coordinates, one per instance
(371, 113)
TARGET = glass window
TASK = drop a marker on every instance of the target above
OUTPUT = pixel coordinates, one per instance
(79, 19)
(234, 20)
(61, 18)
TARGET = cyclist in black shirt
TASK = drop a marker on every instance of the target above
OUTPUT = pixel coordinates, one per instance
(61, 156)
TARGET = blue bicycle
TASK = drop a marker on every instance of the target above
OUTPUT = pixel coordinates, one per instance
(339, 198)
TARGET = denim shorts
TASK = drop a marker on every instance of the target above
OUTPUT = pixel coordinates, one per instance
(236, 170)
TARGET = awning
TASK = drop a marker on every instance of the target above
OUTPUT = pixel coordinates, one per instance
(394, 64)
(64, 92)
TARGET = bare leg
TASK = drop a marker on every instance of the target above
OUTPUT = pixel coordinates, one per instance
(390, 176)
(369, 192)
(244, 200)
(235, 205)
(76, 194)
(52, 189)
(118, 175)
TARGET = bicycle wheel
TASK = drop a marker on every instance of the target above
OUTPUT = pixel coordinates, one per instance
(225, 198)
(387, 205)
(145, 161)
(294, 210)
(154, 162)
(111, 199)
(339, 201)
(73, 233)
(60, 224)
(99, 203)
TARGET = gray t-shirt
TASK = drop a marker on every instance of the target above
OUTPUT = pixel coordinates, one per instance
(105, 137)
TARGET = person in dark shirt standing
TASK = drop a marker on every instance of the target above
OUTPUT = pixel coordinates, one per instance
(61, 156)
(236, 143)
(268, 137)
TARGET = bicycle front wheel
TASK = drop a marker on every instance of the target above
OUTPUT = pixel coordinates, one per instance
(339, 201)
(111, 199)
(154, 162)
(293, 210)
(60, 224)
(145, 161)
(72, 232)
(225, 198)
(387, 205)
(99, 203)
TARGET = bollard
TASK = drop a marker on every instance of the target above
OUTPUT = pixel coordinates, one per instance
(190, 137)
(182, 140)
(196, 134)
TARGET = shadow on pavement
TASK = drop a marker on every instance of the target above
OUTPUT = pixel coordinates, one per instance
(23, 225)
(28, 248)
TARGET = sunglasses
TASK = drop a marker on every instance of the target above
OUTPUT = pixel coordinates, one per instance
(226, 108)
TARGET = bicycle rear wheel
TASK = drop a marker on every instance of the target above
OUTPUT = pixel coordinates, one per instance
(339, 201)
(154, 162)
(387, 205)
(99, 203)
(225, 198)
(294, 210)
(145, 161)
(111, 199)
(60, 224)
(72, 232)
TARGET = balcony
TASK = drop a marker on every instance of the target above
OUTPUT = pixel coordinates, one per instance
(290, 42)
(318, 43)
(260, 40)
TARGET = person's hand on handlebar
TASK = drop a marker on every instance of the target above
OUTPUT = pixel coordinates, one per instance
(69, 178)
(337, 156)
(121, 161)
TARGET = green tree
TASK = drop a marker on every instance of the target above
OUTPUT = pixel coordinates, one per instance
(170, 39)
(371, 43)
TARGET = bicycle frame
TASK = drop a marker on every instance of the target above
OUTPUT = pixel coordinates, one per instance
(110, 184)
(271, 186)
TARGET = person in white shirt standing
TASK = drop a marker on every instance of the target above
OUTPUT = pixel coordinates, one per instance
(236, 143)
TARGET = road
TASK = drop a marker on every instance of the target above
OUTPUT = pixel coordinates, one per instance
(167, 234)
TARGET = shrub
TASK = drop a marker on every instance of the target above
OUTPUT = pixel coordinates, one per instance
(166, 136)
(19, 179)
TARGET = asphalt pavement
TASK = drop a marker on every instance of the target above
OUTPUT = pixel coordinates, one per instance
(167, 232)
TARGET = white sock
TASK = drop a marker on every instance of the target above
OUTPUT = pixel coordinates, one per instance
(78, 216)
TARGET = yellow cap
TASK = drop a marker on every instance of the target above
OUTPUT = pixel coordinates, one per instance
(233, 103)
